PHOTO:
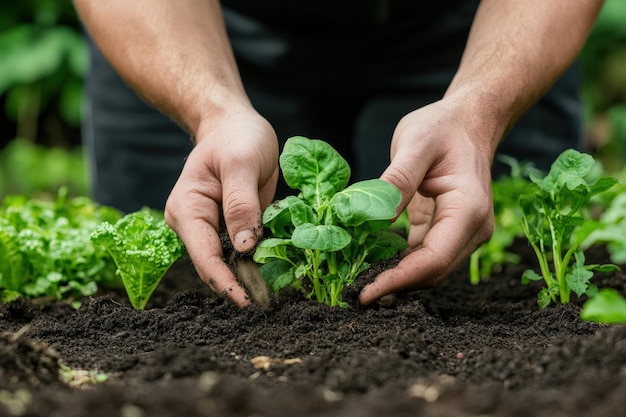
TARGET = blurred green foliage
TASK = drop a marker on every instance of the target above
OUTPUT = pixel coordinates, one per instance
(39, 171)
(604, 85)
(44, 60)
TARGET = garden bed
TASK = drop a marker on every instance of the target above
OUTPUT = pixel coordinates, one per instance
(457, 350)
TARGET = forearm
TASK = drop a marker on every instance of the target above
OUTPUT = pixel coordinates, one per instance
(175, 54)
(515, 51)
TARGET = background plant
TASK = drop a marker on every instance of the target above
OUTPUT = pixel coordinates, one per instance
(45, 247)
(556, 220)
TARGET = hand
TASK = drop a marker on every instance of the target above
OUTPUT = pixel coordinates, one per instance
(442, 167)
(233, 169)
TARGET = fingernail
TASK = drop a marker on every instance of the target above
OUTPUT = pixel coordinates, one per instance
(244, 240)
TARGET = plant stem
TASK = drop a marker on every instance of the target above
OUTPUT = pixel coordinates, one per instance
(317, 287)
(559, 267)
(543, 265)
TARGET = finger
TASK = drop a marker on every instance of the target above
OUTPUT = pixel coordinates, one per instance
(267, 192)
(197, 228)
(242, 209)
(421, 211)
(403, 173)
(454, 236)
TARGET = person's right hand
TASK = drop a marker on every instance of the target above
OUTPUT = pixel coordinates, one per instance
(232, 169)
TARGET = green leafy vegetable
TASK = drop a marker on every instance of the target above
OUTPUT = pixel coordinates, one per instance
(608, 306)
(45, 247)
(323, 238)
(143, 247)
(555, 221)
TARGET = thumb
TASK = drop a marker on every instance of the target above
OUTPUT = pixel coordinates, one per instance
(406, 176)
(242, 211)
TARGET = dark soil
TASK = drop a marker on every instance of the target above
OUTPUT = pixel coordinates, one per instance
(457, 350)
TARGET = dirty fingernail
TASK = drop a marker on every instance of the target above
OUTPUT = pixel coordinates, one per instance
(244, 240)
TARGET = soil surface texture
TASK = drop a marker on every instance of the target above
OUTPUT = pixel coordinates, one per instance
(456, 350)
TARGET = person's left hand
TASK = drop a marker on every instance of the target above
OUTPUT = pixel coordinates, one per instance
(442, 167)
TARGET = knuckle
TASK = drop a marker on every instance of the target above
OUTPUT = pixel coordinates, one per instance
(401, 177)
(238, 206)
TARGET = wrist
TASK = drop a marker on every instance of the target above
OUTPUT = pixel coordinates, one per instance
(482, 114)
(207, 114)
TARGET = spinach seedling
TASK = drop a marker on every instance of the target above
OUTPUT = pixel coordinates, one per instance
(324, 237)
(143, 248)
(555, 221)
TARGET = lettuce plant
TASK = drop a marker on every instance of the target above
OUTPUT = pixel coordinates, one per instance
(143, 248)
(327, 234)
(555, 221)
(45, 247)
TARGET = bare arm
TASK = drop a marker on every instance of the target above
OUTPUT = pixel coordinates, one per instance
(442, 153)
(177, 55)
(516, 50)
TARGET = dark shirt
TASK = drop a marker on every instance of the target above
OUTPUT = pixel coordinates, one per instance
(315, 17)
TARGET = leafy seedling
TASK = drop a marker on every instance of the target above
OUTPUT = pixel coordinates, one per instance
(143, 248)
(555, 221)
(324, 237)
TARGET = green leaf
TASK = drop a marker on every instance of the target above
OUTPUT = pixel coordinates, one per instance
(272, 248)
(277, 274)
(544, 298)
(277, 218)
(530, 275)
(315, 168)
(384, 245)
(578, 277)
(366, 201)
(608, 306)
(320, 237)
(301, 213)
(604, 268)
(603, 184)
(569, 170)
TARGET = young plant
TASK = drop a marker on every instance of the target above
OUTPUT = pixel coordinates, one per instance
(143, 248)
(326, 236)
(555, 221)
